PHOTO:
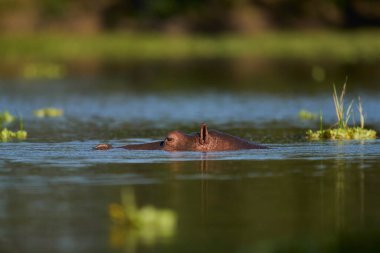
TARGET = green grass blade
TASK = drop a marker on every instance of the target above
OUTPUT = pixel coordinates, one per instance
(348, 114)
(361, 114)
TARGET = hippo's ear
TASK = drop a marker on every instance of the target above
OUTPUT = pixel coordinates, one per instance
(203, 136)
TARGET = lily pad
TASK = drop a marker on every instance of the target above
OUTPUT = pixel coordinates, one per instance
(48, 112)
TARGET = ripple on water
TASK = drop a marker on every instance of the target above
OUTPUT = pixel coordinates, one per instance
(80, 154)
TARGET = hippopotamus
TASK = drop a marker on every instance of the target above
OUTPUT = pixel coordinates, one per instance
(203, 141)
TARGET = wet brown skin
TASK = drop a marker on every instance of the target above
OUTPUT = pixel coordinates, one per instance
(204, 141)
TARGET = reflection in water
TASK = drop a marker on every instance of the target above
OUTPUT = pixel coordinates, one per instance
(340, 195)
(204, 197)
(342, 191)
(288, 205)
(343, 175)
(131, 225)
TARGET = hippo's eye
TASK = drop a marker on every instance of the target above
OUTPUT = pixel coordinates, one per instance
(169, 139)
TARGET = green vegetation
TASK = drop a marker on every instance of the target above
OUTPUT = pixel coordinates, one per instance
(7, 135)
(343, 131)
(306, 115)
(33, 49)
(6, 117)
(350, 133)
(160, 222)
(147, 223)
(48, 112)
(342, 114)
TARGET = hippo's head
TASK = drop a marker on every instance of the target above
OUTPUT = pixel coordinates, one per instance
(204, 141)
(178, 141)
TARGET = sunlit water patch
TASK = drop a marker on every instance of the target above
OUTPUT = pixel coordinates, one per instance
(164, 110)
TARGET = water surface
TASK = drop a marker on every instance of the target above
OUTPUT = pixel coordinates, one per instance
(297, 195)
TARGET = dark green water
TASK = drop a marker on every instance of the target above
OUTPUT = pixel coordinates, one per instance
(296, 196)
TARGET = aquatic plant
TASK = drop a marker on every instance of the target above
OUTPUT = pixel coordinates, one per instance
(6, 134)
(350, 133)
(342, 131)
(48, 112)
(147, 223)
(361, 114)
(6, 117)
(306, 115)
(21, 134)
(342, 114)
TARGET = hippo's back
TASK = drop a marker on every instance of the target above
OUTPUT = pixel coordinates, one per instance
(220, 141)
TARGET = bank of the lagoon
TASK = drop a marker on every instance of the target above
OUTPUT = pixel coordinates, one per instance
(315, 45)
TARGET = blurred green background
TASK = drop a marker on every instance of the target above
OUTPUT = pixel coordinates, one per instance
(164, 44)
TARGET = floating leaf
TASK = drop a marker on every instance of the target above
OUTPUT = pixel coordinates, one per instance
(48, 112)
(306, 115)
(21, 134)
(6, 117)
(7, 135)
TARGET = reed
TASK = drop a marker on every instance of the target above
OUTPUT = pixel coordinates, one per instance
(361, 114)
(343, 115)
